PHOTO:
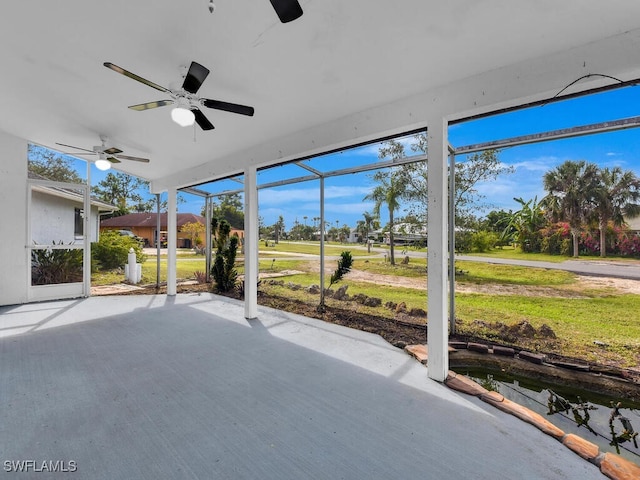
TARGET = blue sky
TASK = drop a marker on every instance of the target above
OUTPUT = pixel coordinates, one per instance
(344, 195)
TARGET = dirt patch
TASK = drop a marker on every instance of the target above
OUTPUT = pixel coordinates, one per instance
(619, 285)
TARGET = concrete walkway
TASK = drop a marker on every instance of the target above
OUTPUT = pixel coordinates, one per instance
(157, 387)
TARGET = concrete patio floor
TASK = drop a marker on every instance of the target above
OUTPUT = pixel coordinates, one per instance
(155, 387)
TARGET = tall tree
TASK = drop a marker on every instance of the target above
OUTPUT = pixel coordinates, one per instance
(230, 208)
(370, 222)
(278, 228)
(478, 168)
(572, 188)
(51, 165)
(391, 188)
(616, 198)
(120, 189)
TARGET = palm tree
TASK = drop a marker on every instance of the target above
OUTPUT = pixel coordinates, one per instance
(369, 221)
(389, 191)
(571, 186)
(616, 197)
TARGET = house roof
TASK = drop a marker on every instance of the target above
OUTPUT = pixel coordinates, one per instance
(147, 219)
(69, 194)
(345, 72)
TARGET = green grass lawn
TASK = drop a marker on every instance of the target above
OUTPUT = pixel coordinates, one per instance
(311, 248)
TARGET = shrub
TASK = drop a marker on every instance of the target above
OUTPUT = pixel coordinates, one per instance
(223, 269)
(463, 240)
(53, 266)
(483, 241)
(112, 251)
(556, 239)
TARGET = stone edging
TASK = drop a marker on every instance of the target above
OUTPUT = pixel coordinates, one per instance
(610, 464)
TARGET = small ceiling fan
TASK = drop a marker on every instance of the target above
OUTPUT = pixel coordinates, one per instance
(187, 109)
(106, 155)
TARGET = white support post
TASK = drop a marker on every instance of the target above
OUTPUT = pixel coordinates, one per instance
(437, 331)
(172, 241)
(250, 243)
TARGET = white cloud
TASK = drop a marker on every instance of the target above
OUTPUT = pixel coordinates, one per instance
(539, 164)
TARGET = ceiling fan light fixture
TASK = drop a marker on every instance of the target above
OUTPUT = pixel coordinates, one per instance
(102, 164)
(183, 116)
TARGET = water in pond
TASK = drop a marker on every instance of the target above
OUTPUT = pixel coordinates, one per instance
(609, 422)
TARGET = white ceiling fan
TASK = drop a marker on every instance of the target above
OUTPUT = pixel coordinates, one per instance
(106, 155)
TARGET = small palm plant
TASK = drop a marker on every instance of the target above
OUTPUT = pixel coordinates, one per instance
(345, 262)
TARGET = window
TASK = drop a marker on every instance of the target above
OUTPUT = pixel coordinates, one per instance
(78, 222)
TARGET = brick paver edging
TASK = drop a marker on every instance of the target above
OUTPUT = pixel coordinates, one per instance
(610, 464)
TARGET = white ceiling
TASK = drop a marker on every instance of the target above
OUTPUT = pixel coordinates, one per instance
(312, 81)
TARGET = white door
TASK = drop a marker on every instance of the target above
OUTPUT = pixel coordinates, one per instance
(58, 261)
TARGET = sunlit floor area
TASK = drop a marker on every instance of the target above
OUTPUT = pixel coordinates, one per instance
(155, 387)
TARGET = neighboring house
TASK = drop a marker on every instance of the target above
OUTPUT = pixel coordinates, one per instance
(634, 224)
(57, 215)
(144, 225)
(405, 233)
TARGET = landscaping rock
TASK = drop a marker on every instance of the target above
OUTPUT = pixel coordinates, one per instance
(401, 307)
(391, 305)
(522, 329)
(372, 302)
(504, 351)
(314, 289)
(341, 292)
(359, 298)
(546, 331)
(587, 450)
(464, 384)
(328, 292)
(478, 347)
(537, 358)
(618, 468)
(417, 312)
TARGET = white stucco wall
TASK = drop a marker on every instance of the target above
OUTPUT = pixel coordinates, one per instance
(53, 219)
(13, 226)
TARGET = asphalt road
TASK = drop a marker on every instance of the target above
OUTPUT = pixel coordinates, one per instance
(600, 268)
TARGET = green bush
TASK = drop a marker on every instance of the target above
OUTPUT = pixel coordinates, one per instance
(54, 266)
(112, 251)
(463, 241)
(483, 241)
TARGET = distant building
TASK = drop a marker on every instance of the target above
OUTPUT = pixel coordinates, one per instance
(406, 234)
(634, 224)
(144, 225)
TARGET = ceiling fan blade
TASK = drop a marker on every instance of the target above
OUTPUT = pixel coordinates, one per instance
(77, 148)
(138, 78)
(113, 160)
(228, 107)
(201, 120)
(194, 77)
(146, 106)
(287, 10)
(135, 159)
(112, 151)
